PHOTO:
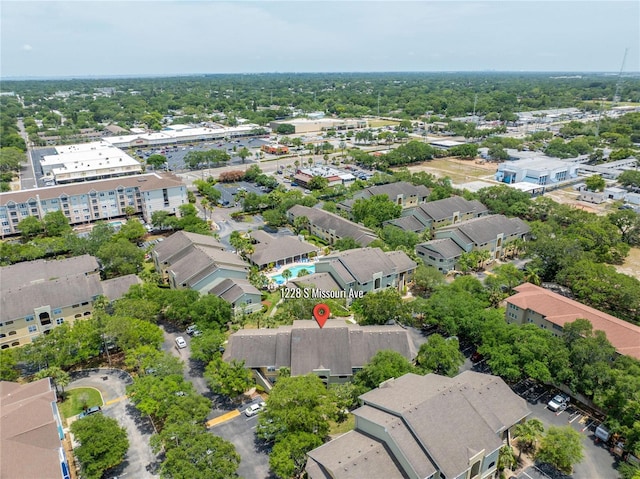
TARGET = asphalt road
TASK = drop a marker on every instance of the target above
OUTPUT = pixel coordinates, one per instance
(140, 460)
(597, 462)
(240, 431)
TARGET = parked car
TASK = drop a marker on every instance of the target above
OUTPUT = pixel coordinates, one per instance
(254, 408)
(559, 402)
(193, 330)
(180, 342)
(90, 411)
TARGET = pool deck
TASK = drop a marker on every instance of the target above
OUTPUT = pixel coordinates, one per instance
(278, 271)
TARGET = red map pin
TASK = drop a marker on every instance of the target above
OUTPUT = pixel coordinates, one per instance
(321, 313)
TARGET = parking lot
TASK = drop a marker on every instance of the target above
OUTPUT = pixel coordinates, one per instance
(598, 462)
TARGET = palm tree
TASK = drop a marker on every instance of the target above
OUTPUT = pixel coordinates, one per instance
(528, 434)
(531, 275)
(506, 458)
(286, 274)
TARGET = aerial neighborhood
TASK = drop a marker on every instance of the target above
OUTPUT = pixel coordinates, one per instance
(229, 276)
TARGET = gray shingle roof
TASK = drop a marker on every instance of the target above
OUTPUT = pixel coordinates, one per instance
(367, 457)
(408, 223)
(117, 287)
(446, 207)
(303, 347)
(23, 274)
(323, 281)
(200, 261)
(274, 250)
(342, 227)
(21, 301)
(232, 289)
(171, 248)
(393, 190)
(444, 248)
(485, 229)
(362, 263)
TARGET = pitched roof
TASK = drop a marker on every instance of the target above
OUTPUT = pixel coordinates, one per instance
(304, 346)
(361, 264)
(624, 336)
(444, 248)
(323, 281)
(29, 437)
(117, 287)
(25, 273)
(271, 249)
(232, 289)
(366, 457)
(408, 223)
(66, 291)
(168, 250)
(342, 227)
(435, 422)
(485, 228)
(446, 207)
(145, 182)
(201, 261)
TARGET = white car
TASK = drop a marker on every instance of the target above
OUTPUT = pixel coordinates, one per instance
(180, 342)
(254, 408)
(558, 403)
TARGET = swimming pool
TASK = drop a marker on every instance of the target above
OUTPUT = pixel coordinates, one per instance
(311, 268)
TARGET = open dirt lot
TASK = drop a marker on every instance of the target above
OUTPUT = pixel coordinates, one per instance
(460, 171)
(631, 265)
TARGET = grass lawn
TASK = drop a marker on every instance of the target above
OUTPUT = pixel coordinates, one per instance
(336, 429)
(379, 123)
(77, 398)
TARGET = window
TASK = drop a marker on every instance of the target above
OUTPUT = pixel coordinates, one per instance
(57, 311)
(33, 328)
(12, 333)
(59, 320)
(7, 323)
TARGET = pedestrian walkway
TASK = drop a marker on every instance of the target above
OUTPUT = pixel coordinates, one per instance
(224, 418)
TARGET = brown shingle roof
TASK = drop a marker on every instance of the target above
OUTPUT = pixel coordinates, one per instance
(23, 274)
(29, 438)
(624, 336)
(343, 228)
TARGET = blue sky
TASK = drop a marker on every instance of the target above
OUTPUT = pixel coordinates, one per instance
(91, 38)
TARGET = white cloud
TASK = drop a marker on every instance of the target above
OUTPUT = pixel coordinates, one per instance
(27, 48)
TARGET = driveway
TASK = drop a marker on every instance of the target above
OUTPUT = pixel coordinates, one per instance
(240, 430)
(140, 460)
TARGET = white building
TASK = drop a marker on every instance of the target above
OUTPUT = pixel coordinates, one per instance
(94, 200)
(540, 171)
(88, 161)
(179, 134)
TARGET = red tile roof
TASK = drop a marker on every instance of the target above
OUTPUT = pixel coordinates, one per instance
(624, 336)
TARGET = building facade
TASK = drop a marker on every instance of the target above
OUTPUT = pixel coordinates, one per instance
(92, 201)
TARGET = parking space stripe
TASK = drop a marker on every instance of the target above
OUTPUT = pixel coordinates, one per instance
(224, 418)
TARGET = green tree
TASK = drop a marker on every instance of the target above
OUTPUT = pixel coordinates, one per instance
(207, 346)
(8, 365)
(286, 274)
(372, 212)
(11, 158)
(230, 379)
(120, 257)
(441, 356)
(56, 223)
(211, 312)
(346, 243)
(318, 183)
(132, 231)
(103, 444)
(562, 448)
(299, 404)
(380, 308)
(595, 183)
(630, 178)
(426, 279)
(506, 459)
(59, 377)
(30, 227)
(528, 433)
(244, 153)
(289, 455)
(385, 364)
(156, 161)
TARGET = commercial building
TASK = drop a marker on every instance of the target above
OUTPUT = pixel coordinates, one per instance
(539, 171)
(334, 353)
(91, 201)
(31, 432)
(304, 125)
(494, 233)
(273, 149)
(180, 134)
(334, 176)
(551, 311)
(88, 161)
(39, 295)
(424, 427)
(331, 227)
